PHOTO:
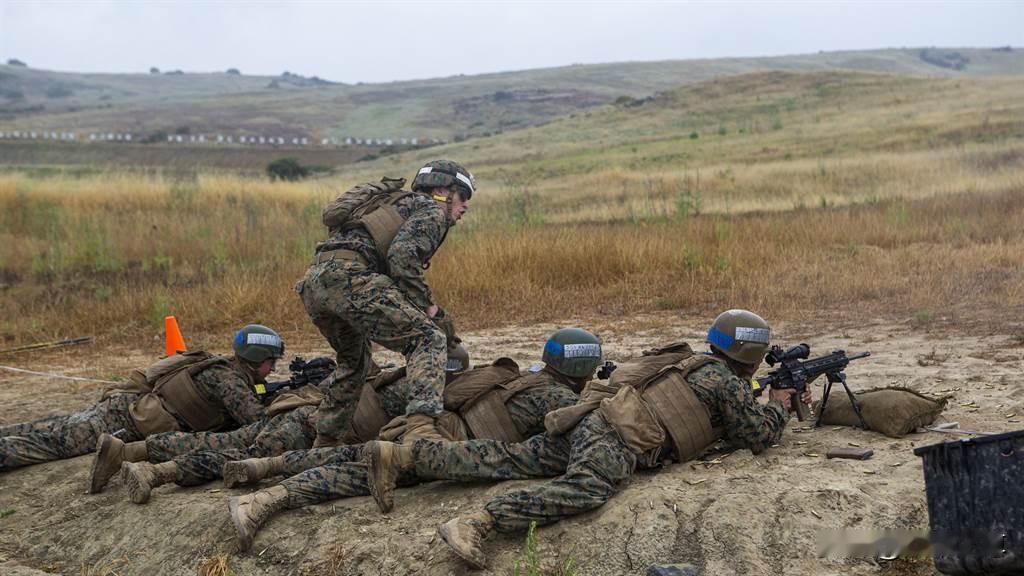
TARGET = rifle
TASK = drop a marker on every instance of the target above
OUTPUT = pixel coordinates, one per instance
(605, 372)
(303, 372)
(792, 373)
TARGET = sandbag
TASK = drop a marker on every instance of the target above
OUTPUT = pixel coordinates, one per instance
(892, 411)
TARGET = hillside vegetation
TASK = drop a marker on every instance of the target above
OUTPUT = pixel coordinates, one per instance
(438, 108)
(778, 191)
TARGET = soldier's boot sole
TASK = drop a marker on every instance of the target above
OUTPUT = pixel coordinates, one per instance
(382, 473)
(106, 463)
(472, 554)
(242, 527)
(138, 479)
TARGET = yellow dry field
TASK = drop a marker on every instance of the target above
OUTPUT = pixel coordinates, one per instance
(796, 195)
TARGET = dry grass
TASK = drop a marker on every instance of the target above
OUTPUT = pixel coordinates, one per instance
(215, 566)
(890, 196)
(117, 567)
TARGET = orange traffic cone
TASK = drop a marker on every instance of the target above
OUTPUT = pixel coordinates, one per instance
(174, 342)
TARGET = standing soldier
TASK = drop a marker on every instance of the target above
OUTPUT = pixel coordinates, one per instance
(366, 285)
(192, 391)
(675, 412)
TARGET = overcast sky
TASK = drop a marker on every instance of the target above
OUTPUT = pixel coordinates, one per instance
(380, 41)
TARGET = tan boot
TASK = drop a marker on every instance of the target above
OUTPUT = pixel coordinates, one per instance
(252, 470)
(421, 426)
(384, 462)
(141, 477)
(110, 454)
(251, 511)
(466, 534)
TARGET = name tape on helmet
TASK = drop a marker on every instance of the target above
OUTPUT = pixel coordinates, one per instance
(465, 180)
(263, 339)
(582, 350)
(426, 170)
(760, 335)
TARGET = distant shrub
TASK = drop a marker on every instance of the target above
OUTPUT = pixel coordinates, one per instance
(174, 73)
(694, 135)
(503, 96)
(273, 84)
(153, 138)
(287, 169)
(182, 130)
(16, 62)
(1003, 49)
(154, 70)
(58, 91)
(233, 72)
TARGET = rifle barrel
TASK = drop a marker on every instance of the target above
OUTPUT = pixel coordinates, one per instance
(858, 356)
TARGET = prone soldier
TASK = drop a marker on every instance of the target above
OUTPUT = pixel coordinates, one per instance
(674, 413)
(494, 401)
(192, 391)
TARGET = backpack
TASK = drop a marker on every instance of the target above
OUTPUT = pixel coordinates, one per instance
(371, 206)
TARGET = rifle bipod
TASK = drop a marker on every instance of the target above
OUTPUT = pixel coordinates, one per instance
(833, 378)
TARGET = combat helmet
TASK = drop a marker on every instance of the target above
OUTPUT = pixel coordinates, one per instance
(458, 359)
(443, 174)
(256, 343)
(573, 352)
(740, 335)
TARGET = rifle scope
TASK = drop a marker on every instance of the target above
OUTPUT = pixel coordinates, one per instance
(776, 356)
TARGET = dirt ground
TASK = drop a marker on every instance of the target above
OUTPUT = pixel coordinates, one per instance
(730, 514)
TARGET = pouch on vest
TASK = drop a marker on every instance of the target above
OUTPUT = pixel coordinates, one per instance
(369, 416)
(477, 382)
(150, 416)
(558, 422)
(372, 206)
(678, 409)
(181, 397)
(488, 418)
(636, 370)
(308, 395)
(633, 420)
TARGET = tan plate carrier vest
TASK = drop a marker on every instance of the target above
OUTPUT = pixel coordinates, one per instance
(660, 401)
(478, 396)
(372, 206)
(166, 391)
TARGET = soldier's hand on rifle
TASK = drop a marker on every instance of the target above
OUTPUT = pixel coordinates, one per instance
(782, 395)
(431, 310)
(806, 396)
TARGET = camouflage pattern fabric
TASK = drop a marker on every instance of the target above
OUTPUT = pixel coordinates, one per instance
(201, 456)
(341, 475)
(60, 437)
(593, 461)
(384, 302)
(224, 385)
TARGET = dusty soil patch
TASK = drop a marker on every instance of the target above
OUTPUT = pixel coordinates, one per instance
(742, 515)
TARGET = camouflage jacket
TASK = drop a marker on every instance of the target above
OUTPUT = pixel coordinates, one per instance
(228, 386)
(731, 404)
(426, 225)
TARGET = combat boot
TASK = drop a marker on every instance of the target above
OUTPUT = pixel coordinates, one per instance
(466, 534)
(421, 426)
(250, 512)
(141, 477)
(384, 462)
(240, 472)
(110, 454)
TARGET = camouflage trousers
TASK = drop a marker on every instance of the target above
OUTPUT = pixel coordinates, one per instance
(59, 437)
(592, 461)
(201, 455)
(353, 306)
(323, 474)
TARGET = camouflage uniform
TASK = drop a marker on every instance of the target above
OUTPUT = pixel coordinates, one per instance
(382, 301)
(59, 437)
(338, 473)
(200, 456)
(593, 461)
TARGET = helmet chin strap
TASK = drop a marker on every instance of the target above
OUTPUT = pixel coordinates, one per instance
(447, 201)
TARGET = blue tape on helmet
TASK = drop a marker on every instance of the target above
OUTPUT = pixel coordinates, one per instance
(553, 348)
(719, 339)
(240, 337)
